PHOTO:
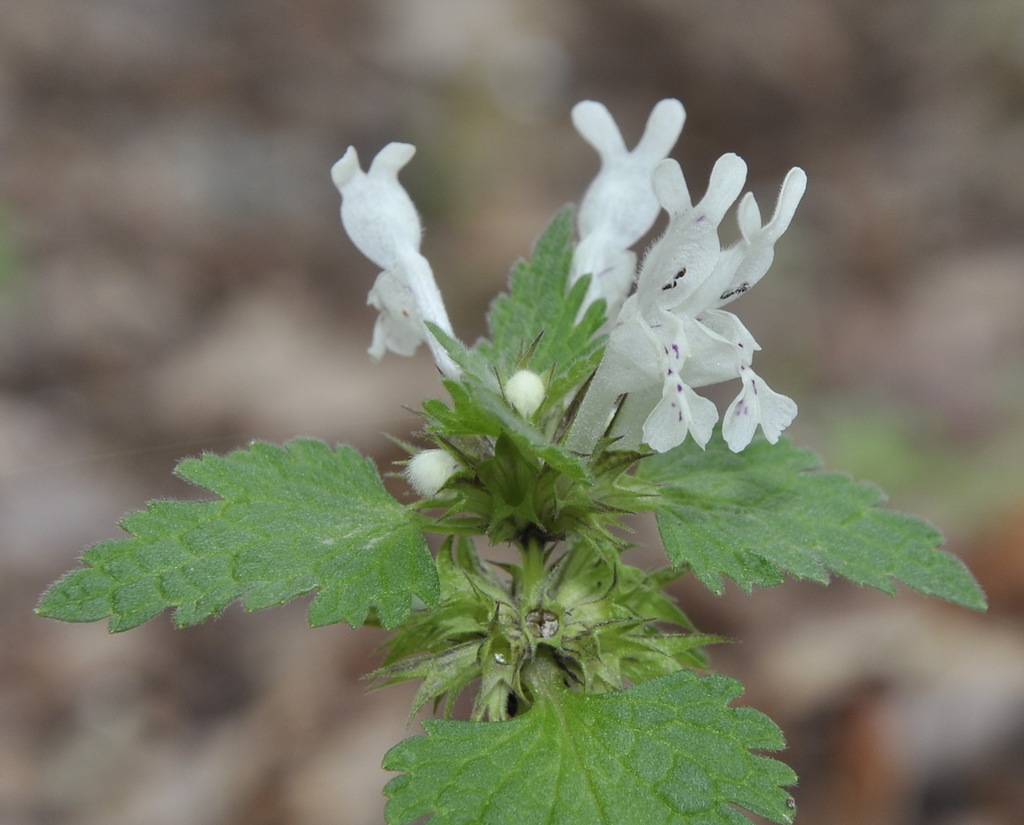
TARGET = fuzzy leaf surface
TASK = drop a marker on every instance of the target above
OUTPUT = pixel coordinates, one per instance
(539, 303)
(760, 514)
(668, 752)
(291, 520)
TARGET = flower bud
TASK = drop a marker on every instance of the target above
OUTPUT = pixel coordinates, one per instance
(429, 471)
(525, 391)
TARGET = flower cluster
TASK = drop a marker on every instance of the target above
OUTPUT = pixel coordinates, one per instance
(671, 334)
(668, 331)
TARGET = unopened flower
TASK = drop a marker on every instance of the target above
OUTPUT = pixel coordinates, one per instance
(429, 471)
(525, 392)
(619, 206)
(382, 222)
(672, 336)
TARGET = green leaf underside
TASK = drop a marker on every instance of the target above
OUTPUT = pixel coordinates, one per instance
(291, 520)
(666, 752)
(759, 514)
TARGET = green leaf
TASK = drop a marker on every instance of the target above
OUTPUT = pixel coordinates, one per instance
(757, 515)
(541, 305)
(667, 752)
(291, 520)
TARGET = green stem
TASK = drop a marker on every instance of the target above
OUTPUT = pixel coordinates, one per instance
(545, 679)
(451, 528)
(534, 571)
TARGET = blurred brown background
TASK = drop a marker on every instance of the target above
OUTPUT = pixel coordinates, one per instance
(173, 278)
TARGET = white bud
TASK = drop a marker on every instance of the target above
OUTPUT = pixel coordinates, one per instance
(429, 471)
(524, 391)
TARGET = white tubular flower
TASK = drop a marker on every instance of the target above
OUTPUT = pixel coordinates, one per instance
(671, 334)
(738, 269)
(744, 263)
(619, 207)
(382, 222)
(649, 345)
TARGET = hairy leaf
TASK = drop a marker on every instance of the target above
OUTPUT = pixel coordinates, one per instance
(540, 305)
(668, 752)
(759, 514)
(291, 520)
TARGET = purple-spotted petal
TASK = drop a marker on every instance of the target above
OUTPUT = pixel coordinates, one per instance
(756, 405)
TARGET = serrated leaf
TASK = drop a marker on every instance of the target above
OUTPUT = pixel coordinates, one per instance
(668, 752)
(291, 520)
(759, 514)
(541, 305)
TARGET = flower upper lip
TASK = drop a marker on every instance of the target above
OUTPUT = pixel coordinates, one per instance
(380, 218)
(619, 207)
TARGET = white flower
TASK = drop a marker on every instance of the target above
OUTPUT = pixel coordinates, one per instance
(672, 335)
(619, 207)
(382, 222)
